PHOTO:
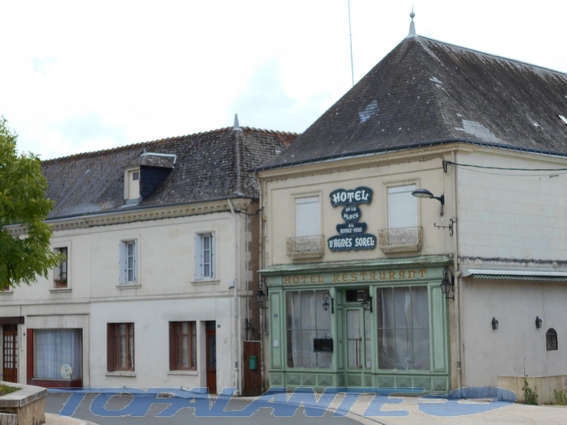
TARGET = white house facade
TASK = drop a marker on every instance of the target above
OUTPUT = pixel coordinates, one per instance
(160, 241)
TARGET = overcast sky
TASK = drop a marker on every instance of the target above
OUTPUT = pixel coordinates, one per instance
(80, 76)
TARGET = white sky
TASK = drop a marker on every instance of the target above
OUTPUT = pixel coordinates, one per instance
(80, 76)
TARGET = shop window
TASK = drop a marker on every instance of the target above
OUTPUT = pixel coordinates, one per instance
(551, 339)
(128, 262)
(60, 275)
(403, 328)
(204, 256)
(55, 348)
(120, 347)
(307, 322)
(182, 346)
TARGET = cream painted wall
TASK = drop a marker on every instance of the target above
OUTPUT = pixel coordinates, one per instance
(504, 352)
(349, 174)
(518, 215)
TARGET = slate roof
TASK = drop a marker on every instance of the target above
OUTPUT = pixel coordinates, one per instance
(208, 166)
(428, 92)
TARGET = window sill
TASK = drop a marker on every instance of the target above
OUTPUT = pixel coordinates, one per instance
(205, 282)
(8, 292)
(183, 372)
(129, 286)
(55, 290)
(122, 374)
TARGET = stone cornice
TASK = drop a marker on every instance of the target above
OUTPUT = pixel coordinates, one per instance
(129, 215)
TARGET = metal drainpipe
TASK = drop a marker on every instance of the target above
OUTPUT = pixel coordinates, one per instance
(237, 304)
(458, 273)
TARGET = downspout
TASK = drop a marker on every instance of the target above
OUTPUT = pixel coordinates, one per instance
(458, 273)
(237, 364)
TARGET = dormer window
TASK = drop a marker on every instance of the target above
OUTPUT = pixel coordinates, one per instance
(132, 186)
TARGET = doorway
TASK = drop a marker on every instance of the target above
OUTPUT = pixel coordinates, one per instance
(10, 353)
(358, 347)
(211, 355)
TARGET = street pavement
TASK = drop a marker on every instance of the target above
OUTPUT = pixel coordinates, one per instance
(363, 409)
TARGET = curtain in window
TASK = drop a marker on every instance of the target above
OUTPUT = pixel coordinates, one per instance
(55, 347)
(307, 320)
(403, 328)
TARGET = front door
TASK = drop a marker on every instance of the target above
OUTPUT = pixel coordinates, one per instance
(211, 357)
(10, 353)
(358, 347)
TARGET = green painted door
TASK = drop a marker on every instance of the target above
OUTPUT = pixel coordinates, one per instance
(358, 348)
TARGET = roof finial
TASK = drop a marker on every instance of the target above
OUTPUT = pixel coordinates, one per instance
(412, 24)
(236, 126)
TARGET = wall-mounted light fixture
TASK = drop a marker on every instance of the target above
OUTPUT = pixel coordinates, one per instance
(448, 283)
(326, 298)
(367, 303)
(260, 296)
(538, 322)
(494, 324)
(426, 194)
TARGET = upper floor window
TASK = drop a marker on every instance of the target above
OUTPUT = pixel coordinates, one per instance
(402, 207)
(128, 262)
(307, 216)
(60, 275)
(204, 256)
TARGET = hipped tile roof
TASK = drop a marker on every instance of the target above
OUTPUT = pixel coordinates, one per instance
(428, 92)
(209, 166)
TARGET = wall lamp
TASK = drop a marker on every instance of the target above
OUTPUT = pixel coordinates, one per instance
(367, 303)
(448, 283)
(326, 298)
(426, 194)
(538, 322)
(494, 324)
(260, 296)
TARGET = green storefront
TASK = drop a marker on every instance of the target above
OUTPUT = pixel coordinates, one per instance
(359, 324)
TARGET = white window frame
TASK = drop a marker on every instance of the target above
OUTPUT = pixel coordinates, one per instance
(302, 203)
(129, 270)
(58, 271)
(205, 265)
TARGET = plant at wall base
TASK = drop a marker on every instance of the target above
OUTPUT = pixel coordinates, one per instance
(561, 396)
(530, 396)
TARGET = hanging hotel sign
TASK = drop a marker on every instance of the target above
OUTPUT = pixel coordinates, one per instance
(352, 234)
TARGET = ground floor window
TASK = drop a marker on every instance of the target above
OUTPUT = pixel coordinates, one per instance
(57, 354)
(182, 346)
(120, 346)
(307, 320)
(403, 328)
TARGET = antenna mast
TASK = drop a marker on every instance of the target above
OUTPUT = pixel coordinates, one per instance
(350, 35)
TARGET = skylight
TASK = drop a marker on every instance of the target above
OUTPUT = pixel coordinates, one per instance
(562, 118)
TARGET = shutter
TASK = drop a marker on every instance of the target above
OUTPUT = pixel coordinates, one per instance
(110, 366)
(402, 207)
(123, 263)
(307, 216)
(198, 258)
(172, 347)
(29, 355)
(212, 256)
(135, 261)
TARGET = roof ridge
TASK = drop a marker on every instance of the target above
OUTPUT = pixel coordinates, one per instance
(420, 37)
(173, 138)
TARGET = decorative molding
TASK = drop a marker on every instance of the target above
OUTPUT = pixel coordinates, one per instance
(305, 247)
(132, 215)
